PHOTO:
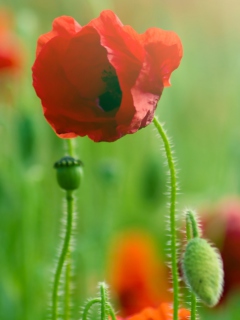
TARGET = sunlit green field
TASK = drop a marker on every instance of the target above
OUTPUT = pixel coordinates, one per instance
(124, 185)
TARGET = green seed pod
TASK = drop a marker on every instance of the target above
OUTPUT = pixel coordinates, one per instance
(203, 271)
(69, 173)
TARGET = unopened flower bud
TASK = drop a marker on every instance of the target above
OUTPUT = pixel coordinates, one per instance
(69, 173)
(203, 271)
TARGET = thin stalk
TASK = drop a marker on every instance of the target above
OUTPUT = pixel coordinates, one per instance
(173, 193)
(192, 232)
(103, 301)
(67, 291)
(193, 307)
(70, 147)
(111, 312)
(62, 257)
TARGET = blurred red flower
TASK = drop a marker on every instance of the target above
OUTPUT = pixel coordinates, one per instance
(137, 276)
(222, 225)
(102, 80)
(163, 312)
(11, 51)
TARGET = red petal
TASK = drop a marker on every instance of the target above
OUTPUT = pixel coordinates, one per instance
(62, 26)
(165, 52)
(124, 49)
(84, 63)
(139, 102)
(126, 113)
(126, 54)
(64, 108)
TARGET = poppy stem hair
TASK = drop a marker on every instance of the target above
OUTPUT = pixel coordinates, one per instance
(173, 193)
(67, 289)
(105, 306)
(88, 306)
(192, 232)
(192, 229)
(63, 256)
(69, 174)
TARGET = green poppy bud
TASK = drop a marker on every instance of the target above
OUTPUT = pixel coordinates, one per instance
(203, 271)
(69, 173)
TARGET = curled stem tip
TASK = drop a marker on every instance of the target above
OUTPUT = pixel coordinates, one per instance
(105, 307)
(88, 306)
(191, 225)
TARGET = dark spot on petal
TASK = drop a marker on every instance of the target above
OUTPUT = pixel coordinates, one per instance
(111, 99)
(153, 101)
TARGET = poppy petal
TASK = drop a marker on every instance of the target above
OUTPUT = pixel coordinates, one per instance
(124, 49)
(85, 53)
(46, 72)
(165, 52)
(62, 26)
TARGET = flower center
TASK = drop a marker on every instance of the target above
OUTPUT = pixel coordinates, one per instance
(111, 99)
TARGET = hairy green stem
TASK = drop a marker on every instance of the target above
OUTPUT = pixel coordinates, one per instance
(111, 312)
(103, 301)
(62, 257)
(67, 292)
(106, 308)
(191, 225)
(192, 232)
(88, 307)
(173, 193)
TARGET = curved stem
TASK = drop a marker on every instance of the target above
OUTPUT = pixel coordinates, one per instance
(88, 307)
(111, 312)
(63, 254)
(173, 192)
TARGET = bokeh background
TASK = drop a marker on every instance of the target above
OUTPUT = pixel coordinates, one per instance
(123, 192)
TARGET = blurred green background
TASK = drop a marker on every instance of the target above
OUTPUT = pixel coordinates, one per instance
(124, 182)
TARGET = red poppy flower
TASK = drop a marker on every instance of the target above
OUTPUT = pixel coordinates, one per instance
(102, 80)
(163, 312)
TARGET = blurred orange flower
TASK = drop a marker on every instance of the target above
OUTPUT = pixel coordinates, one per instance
(11, 51)
(137, 276)
(163, 312)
